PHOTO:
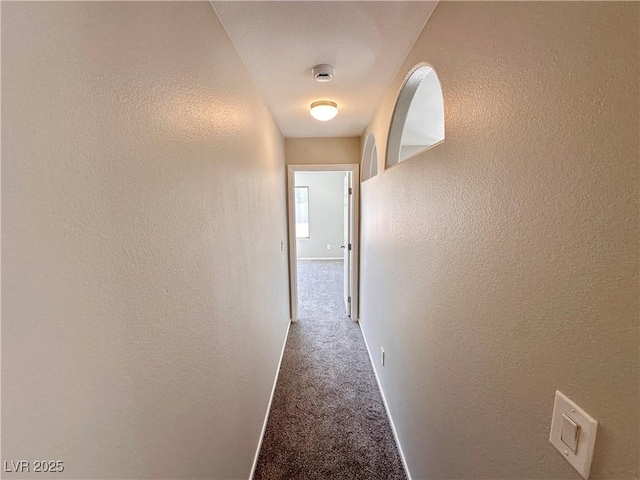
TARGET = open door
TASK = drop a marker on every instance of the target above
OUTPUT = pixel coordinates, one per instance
(350, 235)
(346, 245)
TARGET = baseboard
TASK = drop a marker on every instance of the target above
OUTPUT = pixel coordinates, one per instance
(320, 258)
(386, 407)
(266, 418)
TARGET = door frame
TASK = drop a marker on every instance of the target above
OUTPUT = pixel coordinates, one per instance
(354, 168)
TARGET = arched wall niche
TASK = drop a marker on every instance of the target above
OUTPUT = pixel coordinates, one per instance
(417, 122)
(369, 158)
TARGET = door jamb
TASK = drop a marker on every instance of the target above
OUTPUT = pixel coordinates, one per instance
(354, 168)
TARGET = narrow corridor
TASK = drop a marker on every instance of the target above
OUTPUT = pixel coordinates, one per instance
(327, 419)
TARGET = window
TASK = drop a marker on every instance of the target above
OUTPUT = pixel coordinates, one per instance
(302, 212)
(418, 117)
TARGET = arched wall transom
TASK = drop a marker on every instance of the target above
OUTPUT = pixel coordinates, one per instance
(418, 117)
(369, 158)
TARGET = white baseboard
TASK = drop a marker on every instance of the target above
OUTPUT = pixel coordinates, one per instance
(320, 258)
(386, 407)
(266, 418)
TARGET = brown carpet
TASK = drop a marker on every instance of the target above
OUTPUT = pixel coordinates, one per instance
(327, 420)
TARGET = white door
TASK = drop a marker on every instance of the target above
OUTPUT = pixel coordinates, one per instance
(346, 245)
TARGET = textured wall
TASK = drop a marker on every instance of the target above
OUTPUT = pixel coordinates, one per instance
(326, 214)
(503, 264)
(318, 151)
(144, 293)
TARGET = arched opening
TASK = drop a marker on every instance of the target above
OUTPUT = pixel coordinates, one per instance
(369, 158)
(418, 117)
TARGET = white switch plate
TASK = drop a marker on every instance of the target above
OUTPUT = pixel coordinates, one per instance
(581, 459)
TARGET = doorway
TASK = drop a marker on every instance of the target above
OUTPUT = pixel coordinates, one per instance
(315, 238)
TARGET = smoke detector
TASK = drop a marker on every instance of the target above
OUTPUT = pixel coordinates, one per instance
(322, 73)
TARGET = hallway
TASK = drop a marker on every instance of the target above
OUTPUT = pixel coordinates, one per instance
(327, 419)
(148, 155)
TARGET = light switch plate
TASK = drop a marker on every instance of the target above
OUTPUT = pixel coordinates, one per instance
(581, 459)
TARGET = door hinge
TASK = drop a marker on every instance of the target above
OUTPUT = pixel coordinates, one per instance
(350, 191)
(348, 299)
(349, 247)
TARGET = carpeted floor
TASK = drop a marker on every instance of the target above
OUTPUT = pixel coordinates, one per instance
(327, 419)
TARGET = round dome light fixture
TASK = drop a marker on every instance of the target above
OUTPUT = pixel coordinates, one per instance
(324, 110)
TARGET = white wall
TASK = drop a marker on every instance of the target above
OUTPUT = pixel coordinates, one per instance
(502, 264)
(407, 151)
(326, 214)
(144, 293)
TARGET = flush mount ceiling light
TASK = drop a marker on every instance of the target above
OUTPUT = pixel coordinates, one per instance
(323, 110)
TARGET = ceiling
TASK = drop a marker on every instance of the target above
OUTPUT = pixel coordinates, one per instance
(280, 41)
